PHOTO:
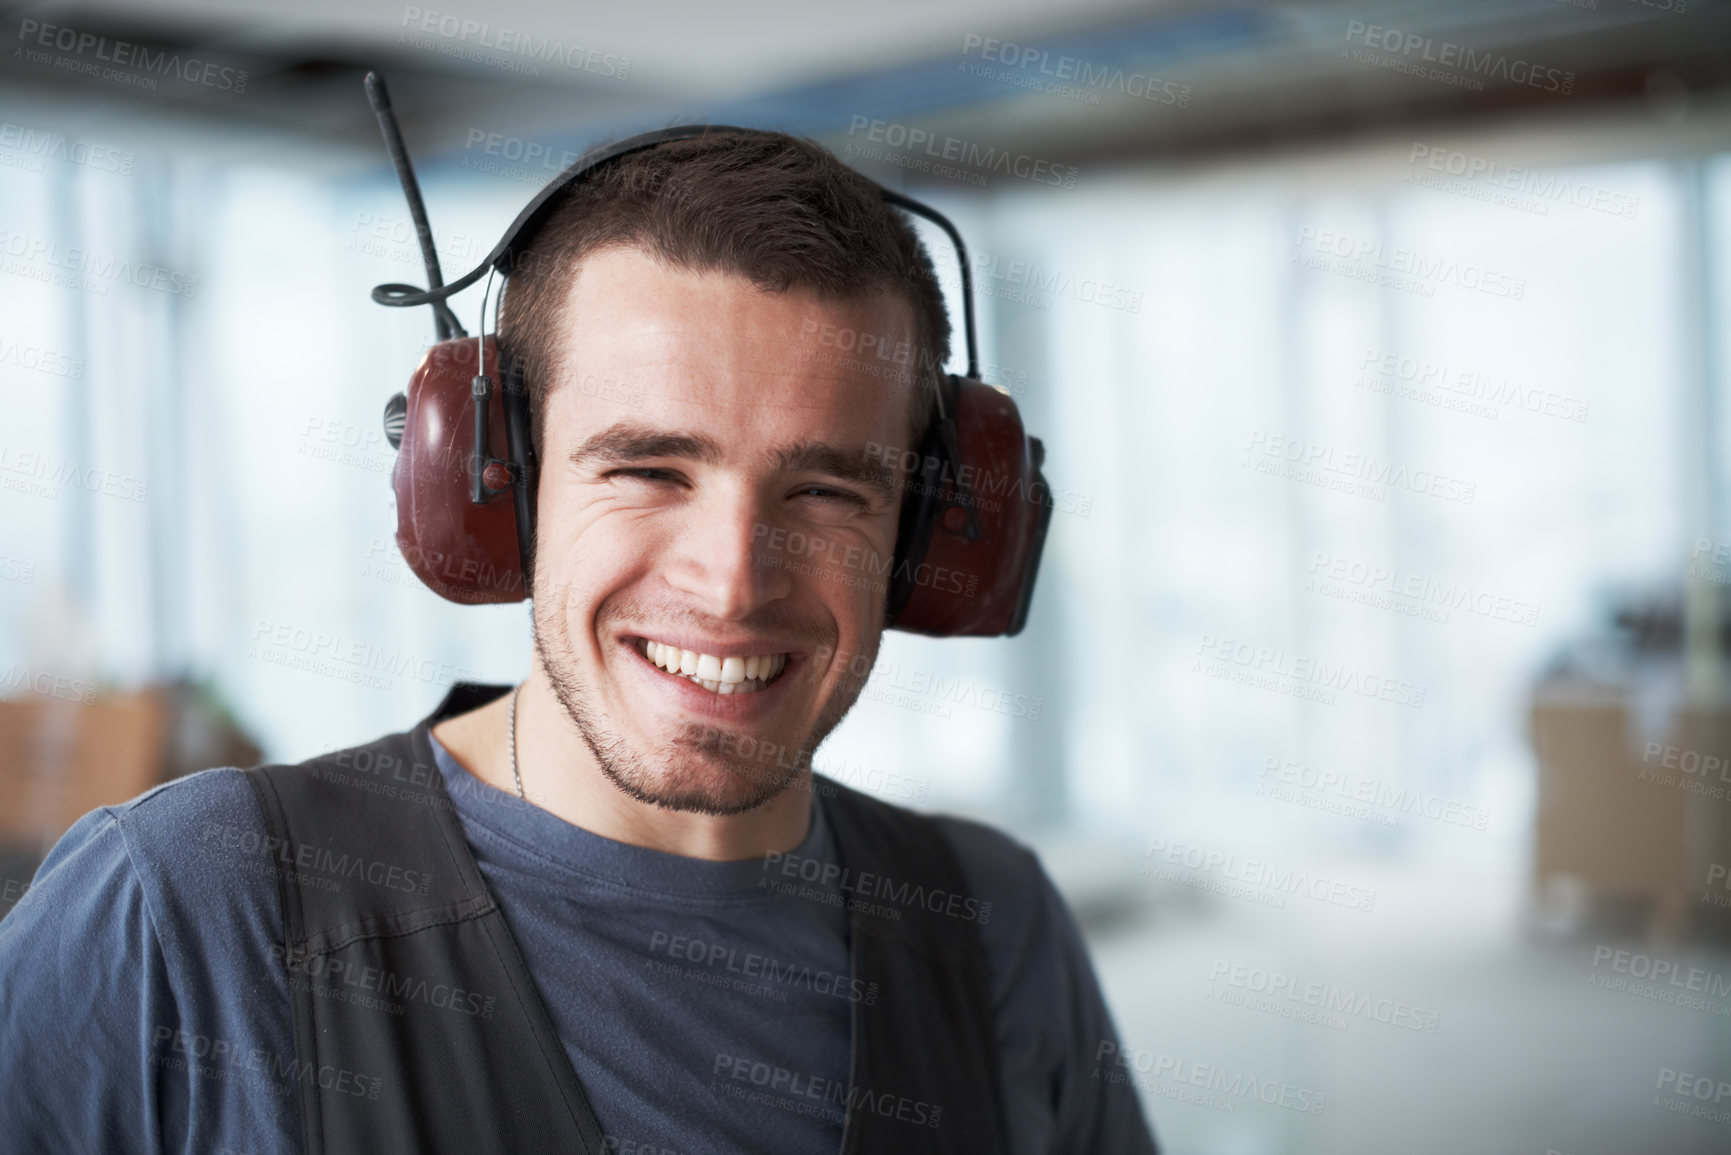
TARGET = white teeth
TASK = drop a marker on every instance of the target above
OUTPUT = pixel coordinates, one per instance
(718, 675)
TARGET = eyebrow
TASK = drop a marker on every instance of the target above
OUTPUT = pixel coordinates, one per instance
(635, 443)
(847, 464)
(627, 443)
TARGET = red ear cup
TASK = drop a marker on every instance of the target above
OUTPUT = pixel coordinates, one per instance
(968, 583)
(464, 552)
(968, 576)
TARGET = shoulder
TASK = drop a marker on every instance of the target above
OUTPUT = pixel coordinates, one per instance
(989, 857)
(148, 934)
(180, 873)
(167, 825)
(1051, 1014)
(188, 832)
(1029, 935)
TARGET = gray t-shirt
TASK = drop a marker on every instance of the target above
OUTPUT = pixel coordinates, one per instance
(144, 1007)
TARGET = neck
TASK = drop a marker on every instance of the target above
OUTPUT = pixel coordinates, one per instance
(562, 776)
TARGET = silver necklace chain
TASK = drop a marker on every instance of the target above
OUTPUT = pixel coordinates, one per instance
(511, 741)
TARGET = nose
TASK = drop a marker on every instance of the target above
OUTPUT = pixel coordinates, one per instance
(716, 561)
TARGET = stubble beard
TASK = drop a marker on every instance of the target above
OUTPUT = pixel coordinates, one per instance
(684, 779)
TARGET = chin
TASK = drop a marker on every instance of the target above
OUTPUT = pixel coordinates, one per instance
(699, 781)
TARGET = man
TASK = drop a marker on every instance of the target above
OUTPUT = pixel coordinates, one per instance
(637, 823)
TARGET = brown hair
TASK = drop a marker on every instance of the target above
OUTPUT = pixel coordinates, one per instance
(780, 211)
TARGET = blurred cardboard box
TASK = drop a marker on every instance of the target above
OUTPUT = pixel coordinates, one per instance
(1614, 818)
(62, 758)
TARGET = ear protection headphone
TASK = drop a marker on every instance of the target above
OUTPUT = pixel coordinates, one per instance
(973, 522)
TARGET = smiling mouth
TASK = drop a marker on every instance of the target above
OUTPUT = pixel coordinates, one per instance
(722, 676)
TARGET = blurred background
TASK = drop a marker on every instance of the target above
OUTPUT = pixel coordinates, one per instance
(1372, 714)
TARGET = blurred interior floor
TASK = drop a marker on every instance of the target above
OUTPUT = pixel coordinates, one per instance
(1529, 1053)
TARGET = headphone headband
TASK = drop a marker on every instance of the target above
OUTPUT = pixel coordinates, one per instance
(545, 202)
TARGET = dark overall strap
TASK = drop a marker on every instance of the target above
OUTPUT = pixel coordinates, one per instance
(925, 1075)
(417, 1027)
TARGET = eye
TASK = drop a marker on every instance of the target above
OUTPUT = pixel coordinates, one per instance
(827, 494)
(644, 474)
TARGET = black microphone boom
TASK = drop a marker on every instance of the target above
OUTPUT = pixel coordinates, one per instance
(444, 321)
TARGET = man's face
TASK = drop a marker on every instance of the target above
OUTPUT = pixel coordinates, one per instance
(713, 536)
